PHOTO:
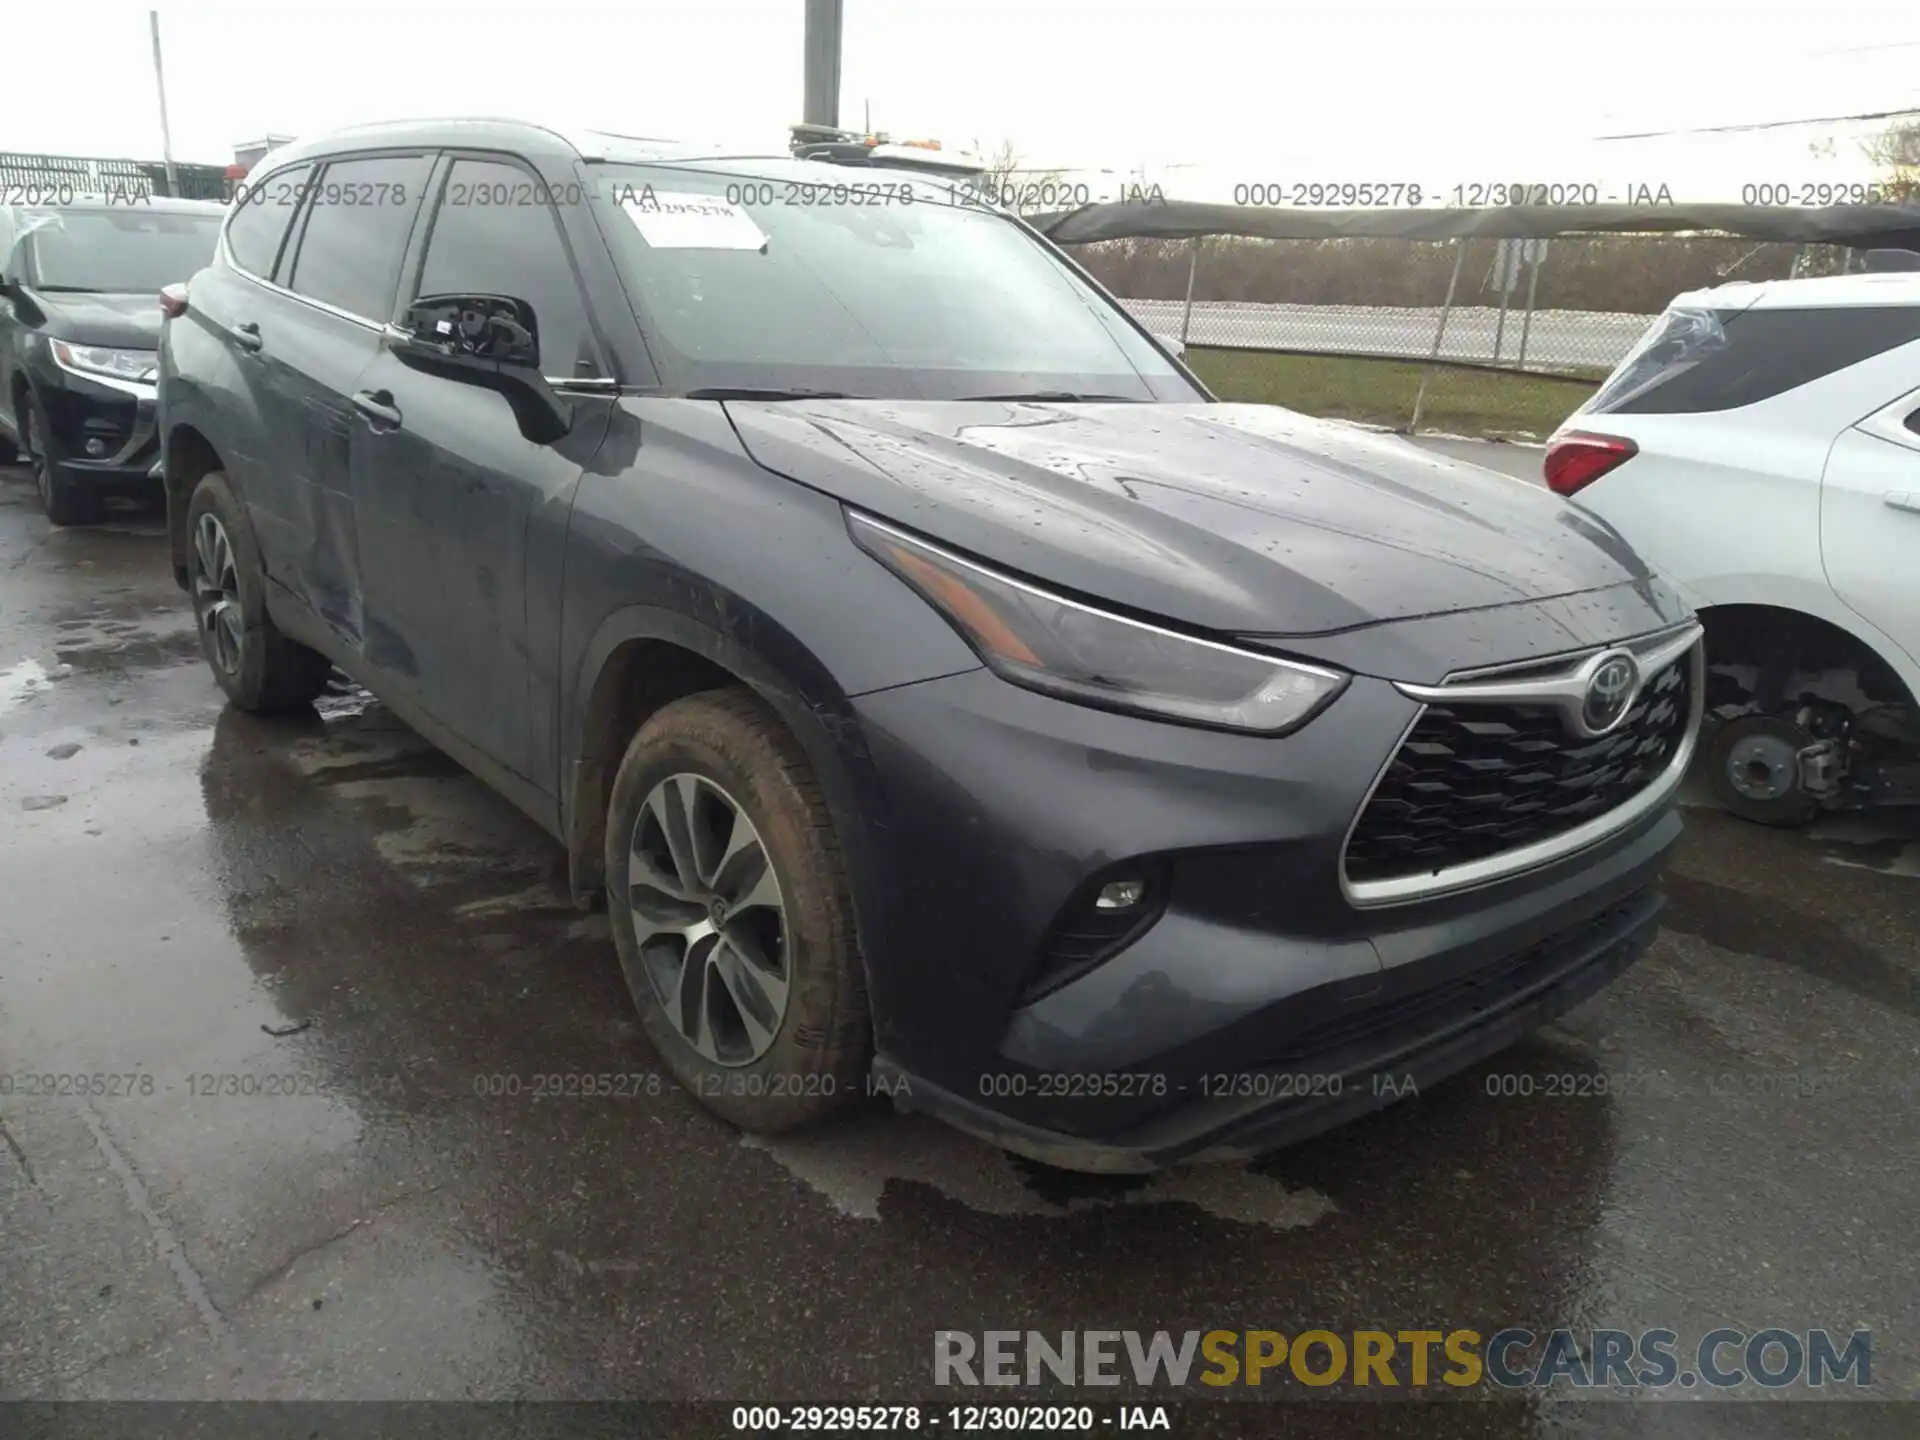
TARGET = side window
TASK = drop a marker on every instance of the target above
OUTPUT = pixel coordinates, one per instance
(358, 216)
(262, 211)
(495, 233)
(1769, 352)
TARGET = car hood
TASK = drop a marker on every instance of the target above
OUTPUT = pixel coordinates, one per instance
(1244, 519)
(123, 322)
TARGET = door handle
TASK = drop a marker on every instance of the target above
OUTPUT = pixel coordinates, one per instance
(1902, 500)
(247, 336)
(378, 407)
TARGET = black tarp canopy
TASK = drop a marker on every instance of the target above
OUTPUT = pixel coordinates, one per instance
(1861, 227)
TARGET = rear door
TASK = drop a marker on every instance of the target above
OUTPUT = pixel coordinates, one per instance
(317, 335)
(451, 491)
(1870, 518)
(213, 370)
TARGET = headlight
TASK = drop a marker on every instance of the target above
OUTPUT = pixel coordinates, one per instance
(140, 366)
(1064, 648)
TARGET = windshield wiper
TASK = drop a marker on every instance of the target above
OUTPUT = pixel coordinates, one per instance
(749, 392)
(1057, 395)
(69, 290)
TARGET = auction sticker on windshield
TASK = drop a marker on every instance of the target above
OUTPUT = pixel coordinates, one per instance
(668, 220)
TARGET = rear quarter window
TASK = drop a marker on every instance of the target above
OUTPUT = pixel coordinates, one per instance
(262, 211)
(1769, 352)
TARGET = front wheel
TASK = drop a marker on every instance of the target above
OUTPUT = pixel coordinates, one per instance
(733, 914)
(65, 502)
(258, 667)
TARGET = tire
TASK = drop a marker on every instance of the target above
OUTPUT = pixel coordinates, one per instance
(65, 502)
(1746, 746)
(707, 754)
(9, 452)
(259, 668)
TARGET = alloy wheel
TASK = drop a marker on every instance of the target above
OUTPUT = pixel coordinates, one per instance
(216, 593)
(709, 920)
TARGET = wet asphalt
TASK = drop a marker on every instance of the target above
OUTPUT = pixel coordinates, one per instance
(327, 906)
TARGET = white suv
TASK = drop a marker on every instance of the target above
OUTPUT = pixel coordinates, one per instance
(1760, 447)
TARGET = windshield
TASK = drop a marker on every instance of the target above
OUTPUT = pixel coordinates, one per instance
(861, 282)
(118, 251)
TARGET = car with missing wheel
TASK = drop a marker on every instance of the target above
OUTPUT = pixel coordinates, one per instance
(946, 694)
(1760, 446)
(79, 329)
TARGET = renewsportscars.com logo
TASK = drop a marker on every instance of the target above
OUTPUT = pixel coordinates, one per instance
(1511, 1359)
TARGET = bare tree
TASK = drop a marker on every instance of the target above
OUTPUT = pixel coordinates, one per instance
(1002, 182)
(1897, 151)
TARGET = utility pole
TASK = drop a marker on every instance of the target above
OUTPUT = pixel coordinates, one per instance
(160, 82)
(822, 100)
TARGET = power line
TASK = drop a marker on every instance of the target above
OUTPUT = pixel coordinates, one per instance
(1868, 49)
(1764, 125)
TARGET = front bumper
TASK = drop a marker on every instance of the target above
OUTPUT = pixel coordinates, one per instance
(1389, 1048)
(990, 809)
(104, 436)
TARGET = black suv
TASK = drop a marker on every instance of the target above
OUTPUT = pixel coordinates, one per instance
(80, 281)
(947, 695)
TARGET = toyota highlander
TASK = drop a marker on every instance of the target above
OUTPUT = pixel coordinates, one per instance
(948, 696)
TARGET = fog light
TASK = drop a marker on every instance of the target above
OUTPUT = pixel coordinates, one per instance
(96, 447)
(1120, 894)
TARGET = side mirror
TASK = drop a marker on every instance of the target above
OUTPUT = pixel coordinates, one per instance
(1174, 344)
(492, 341)
(477, 327)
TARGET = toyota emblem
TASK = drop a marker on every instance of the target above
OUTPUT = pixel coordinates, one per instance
(1610, 693)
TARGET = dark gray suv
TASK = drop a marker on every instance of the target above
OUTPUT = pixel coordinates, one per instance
(947, 695)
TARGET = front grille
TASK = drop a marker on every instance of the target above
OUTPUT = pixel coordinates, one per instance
(1475, 780)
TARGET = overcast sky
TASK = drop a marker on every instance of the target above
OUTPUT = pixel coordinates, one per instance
(1284, 90)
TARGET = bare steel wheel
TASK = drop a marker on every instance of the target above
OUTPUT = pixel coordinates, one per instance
(708, 919)
(216, 594)
(733, 914)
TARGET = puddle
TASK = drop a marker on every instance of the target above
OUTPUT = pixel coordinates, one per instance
(20, 683)
(852, 1164)
(124, 649)
(1887, 841)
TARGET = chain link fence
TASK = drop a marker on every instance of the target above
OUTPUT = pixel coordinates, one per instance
(1543, 340)
(1473, 337)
